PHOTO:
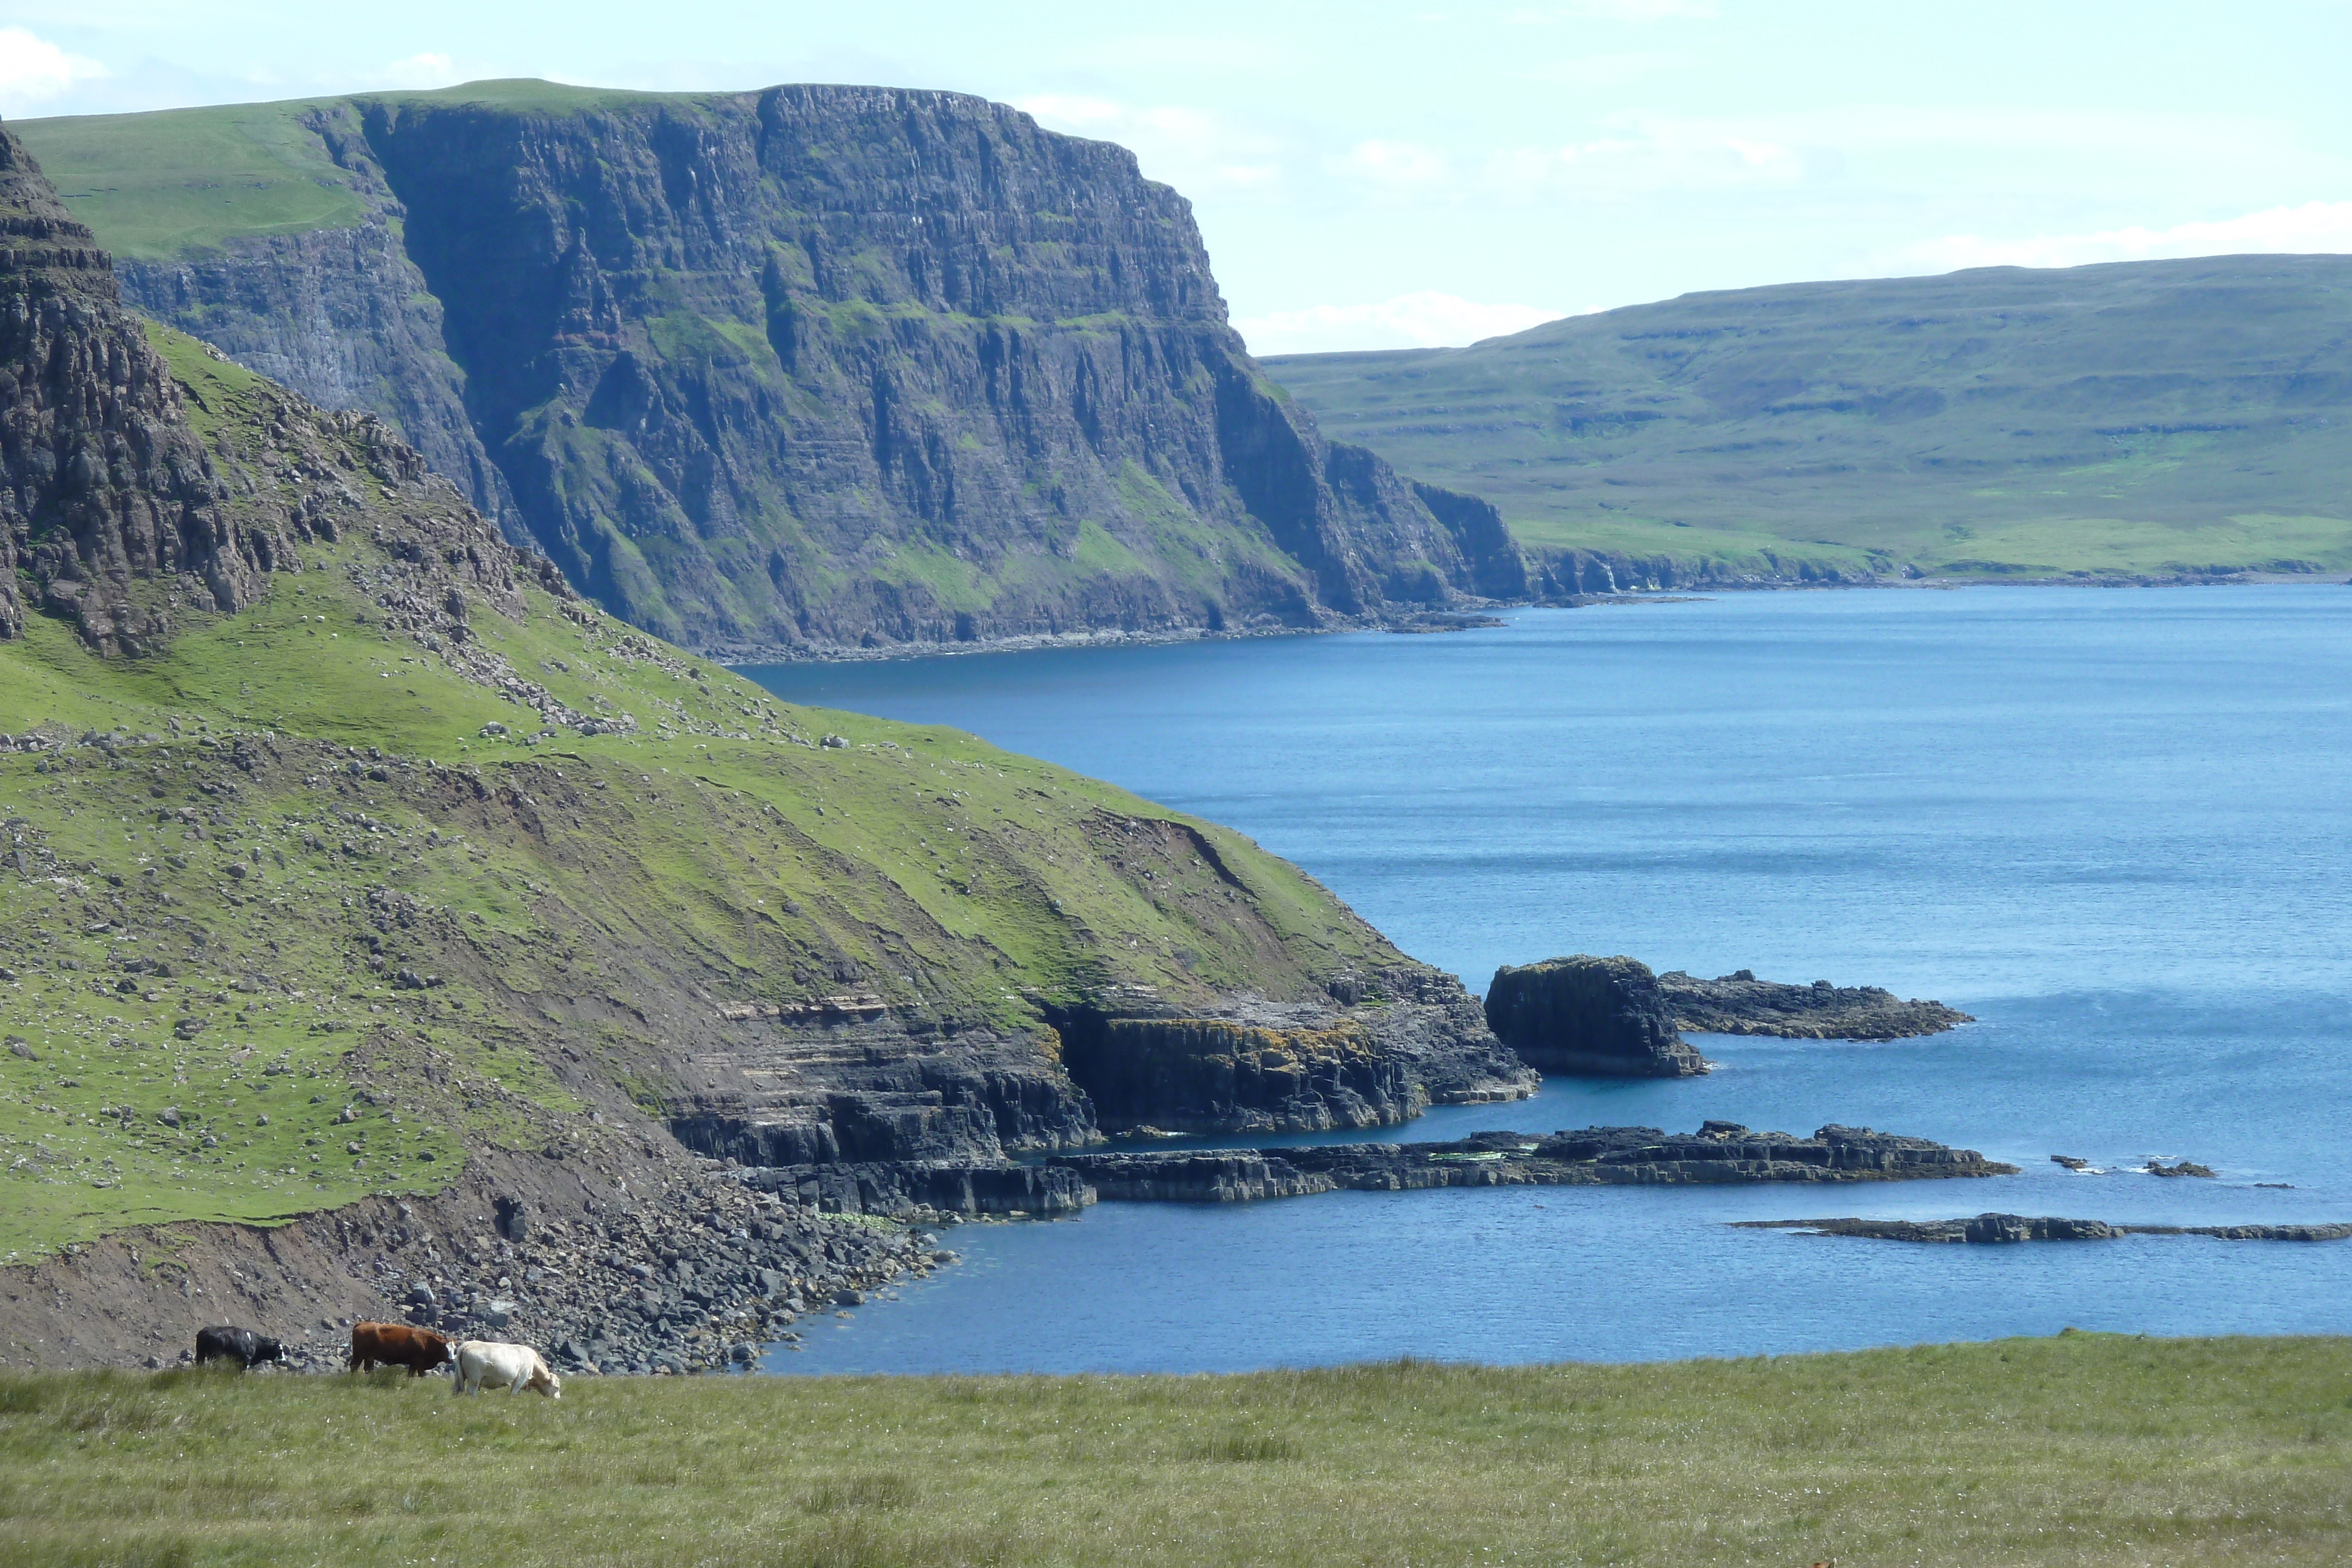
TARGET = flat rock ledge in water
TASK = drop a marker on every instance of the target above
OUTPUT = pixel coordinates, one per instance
(1739, 1003)
(1720, 1152)
(2002, 1227)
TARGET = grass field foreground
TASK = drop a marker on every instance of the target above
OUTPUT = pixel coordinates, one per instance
(2080, 1449)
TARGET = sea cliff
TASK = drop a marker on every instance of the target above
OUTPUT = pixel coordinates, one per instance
(796, 371)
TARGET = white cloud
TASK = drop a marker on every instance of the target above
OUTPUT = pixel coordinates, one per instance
(1609, 11)
(1423, 320)
(1644, 10)
(1393, 163)
(419, 71)
(1663, 155)
(2314, 227)
(1190, 149)
(1603, 69)
(33, 71)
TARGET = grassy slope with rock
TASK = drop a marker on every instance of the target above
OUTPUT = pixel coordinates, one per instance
(207, 915)
(2084, 1449)
(2139, 418)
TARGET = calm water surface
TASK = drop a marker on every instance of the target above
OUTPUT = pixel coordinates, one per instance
(2111, 823)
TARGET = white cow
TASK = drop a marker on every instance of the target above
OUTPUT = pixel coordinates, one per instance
(513, 1368)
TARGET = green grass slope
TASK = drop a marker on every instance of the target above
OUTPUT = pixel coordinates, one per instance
(2084, 1449)
(301, 864)
(2145, 417)
(178, 181)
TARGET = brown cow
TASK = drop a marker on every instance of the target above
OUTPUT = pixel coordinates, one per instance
(397, 1344)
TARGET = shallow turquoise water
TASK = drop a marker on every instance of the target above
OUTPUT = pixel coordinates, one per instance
(2112, 823)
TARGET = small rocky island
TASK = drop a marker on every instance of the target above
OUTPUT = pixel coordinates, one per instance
(2004, 1227)
(1739, 1003)
(1606, 1017)
(1718, 1153)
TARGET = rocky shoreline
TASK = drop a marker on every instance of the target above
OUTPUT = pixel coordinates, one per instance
(1739, 1003)
(1718, 1153)
(1996, 1228)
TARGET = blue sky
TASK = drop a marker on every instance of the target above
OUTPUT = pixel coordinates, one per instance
(1371, 176)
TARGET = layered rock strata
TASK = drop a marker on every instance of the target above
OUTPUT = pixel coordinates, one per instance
(1386, 1046)
(1606, 1017)
(1742, 1004)
(1719, 1153)
(904, 1190)
(1995, 1228)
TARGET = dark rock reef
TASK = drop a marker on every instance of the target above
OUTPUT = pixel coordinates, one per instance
(818, 368)
(1718, 1153)
(1586, 1015)
(1742, 1004)
(2004, 1227)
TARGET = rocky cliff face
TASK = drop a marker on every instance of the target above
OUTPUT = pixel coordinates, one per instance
(824, 366)
(1584, 1014)
(343, 317)
(110, 511)
(1378, 1049)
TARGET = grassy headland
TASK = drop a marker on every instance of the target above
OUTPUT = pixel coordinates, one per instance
(2114, 421)
(299, 851)
(2082, 1449)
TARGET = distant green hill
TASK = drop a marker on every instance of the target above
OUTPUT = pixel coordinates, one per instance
(2145, 417)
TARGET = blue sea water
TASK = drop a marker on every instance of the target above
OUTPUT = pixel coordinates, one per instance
(2112, 823)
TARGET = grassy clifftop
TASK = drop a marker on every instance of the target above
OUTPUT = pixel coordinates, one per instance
(2087, 1449)
(2147, 417)
(176, 181)
(385, 868)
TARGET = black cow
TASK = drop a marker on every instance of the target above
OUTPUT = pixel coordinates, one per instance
(243, 1346)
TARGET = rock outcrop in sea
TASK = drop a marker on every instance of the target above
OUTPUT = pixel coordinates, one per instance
(1739, 1003)
(1719, 1153)
(1606, 1016)
(1996, 1228)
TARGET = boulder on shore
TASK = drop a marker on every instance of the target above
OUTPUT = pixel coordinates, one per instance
(1590, 1015)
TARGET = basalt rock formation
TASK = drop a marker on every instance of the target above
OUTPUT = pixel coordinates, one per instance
(111, 513)
(1378, 1051)
(1742, 1004)
(842, 1091)
(1996, 1228)
(903, 1189)
(1588, 1015)
(1719, 1151)
(802, 369)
